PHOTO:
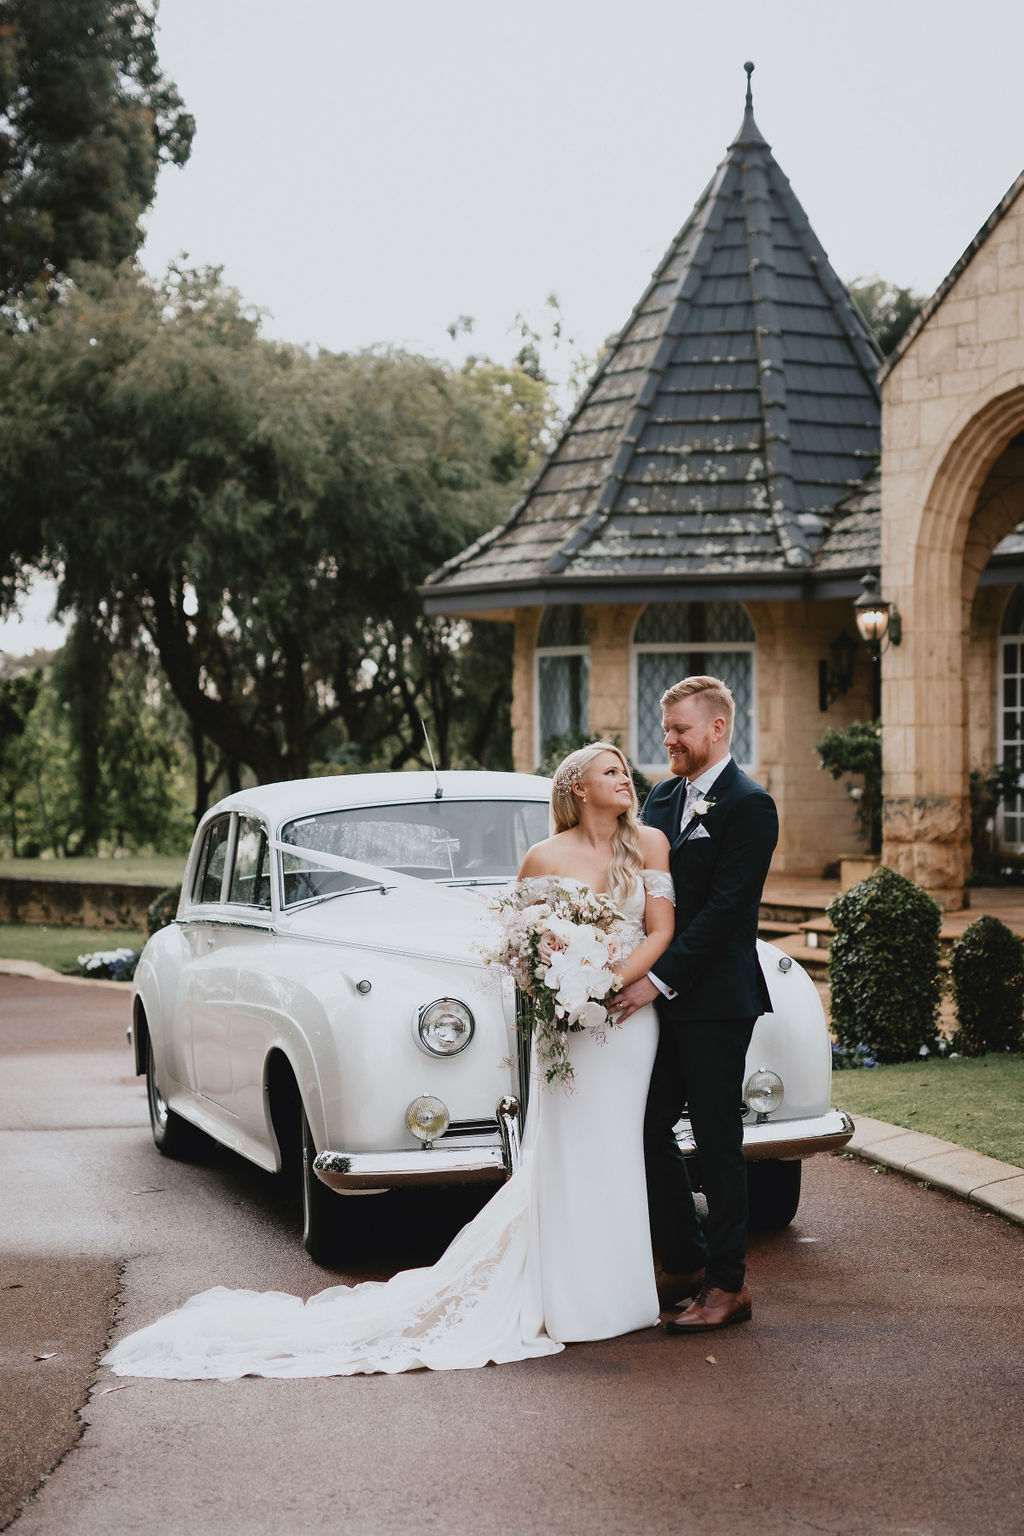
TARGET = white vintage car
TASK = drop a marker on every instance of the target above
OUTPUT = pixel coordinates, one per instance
(320, 1002)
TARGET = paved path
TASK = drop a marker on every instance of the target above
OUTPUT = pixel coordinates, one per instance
(878, 1390)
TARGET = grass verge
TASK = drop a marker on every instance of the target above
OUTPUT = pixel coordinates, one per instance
(140, 869)
(60, 948)
(974, 1101)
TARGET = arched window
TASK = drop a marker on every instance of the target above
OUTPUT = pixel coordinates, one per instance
(1010, 710)
(563, 675)
(676, 640)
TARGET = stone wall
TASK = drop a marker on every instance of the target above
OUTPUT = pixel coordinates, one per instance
(611, 634)
(951, 404)
(75, 903)
(817, 822)
(527, 623)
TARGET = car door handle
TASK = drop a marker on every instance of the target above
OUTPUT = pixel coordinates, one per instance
(210, 942)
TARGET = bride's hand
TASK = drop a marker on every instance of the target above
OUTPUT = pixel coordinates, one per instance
(633, 996)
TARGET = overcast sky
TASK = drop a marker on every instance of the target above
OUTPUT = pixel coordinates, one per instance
(366, 171)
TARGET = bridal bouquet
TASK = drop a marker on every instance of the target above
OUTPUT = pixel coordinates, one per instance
(558, 943)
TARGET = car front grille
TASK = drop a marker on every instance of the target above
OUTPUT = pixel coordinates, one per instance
(470, 1128)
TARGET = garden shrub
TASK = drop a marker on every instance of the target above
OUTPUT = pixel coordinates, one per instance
(161, 909)
(107, 964)
(857, 748)
(987, 975)
(884, 967)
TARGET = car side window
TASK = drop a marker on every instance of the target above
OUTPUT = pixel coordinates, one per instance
(250, 877)
(210, 873)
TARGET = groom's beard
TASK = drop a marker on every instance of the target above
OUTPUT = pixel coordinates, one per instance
(685, 763)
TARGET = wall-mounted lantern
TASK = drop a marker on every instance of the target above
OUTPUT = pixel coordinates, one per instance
(878, 622)
(835, 680)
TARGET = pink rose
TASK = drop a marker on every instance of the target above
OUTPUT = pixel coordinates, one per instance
(549, 946)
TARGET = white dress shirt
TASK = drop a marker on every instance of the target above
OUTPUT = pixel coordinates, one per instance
(696, 789)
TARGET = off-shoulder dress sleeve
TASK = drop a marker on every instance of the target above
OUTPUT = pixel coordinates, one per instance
(658, 883)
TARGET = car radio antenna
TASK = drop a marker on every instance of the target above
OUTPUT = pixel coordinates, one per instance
(438, 790)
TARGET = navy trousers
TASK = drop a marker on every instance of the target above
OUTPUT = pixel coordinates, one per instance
(699, 1065)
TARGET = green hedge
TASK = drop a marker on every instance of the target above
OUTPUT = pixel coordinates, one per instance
(987, 976)
(884, 967)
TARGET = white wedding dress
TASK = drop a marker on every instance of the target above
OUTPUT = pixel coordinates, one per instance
(562, 1253)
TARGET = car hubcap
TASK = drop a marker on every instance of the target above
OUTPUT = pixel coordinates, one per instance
(157, 1102)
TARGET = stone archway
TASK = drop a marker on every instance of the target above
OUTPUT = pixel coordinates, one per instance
(934, 547)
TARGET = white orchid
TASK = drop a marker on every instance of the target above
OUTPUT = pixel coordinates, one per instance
(556, 942)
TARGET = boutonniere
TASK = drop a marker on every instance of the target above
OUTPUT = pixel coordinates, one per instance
(701, 807)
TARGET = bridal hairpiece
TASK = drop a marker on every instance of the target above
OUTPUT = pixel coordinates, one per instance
(565, 778)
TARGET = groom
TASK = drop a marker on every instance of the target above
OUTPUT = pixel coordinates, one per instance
(709, 990)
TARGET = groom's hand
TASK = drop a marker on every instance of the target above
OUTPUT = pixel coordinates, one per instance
(637, 995)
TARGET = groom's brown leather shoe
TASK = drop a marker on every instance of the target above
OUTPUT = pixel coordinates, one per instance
(713, 1308)
(673, 1290)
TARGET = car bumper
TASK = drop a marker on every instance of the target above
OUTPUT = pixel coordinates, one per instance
(446, 1162)
(492, 1162)
(789, 1139)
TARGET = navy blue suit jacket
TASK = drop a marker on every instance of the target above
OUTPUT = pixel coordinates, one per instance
(712, 962)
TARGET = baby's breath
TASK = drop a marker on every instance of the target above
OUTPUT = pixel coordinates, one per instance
(556, 944)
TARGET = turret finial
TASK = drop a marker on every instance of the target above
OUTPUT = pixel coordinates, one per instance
(749, 133)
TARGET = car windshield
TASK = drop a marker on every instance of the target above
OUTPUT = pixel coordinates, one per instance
(441, 840)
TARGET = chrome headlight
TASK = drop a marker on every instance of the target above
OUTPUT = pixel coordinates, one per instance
(445, 1027)
(764, 1091)
(427, 1118)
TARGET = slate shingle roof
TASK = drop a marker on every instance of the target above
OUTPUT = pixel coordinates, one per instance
(738, 405)
(853, 541)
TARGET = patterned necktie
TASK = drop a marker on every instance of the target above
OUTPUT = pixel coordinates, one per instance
(692, 796)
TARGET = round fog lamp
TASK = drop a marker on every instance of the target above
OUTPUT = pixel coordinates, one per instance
(427, 1117)
(445, 1027)
(764, 1091)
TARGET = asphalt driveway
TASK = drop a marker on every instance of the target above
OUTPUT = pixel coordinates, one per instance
(878, 1390)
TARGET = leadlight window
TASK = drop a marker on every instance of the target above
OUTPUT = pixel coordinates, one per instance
(1010, 709)
(563, 676)
(676, 640)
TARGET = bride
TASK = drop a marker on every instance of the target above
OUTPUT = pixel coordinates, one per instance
(562, 1253)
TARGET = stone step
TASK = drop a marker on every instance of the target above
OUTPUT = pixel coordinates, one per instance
(770, 930)
(814, 961)
(791, 912)
(818, 933)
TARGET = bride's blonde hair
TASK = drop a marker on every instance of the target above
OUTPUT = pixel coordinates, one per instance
(626, 860)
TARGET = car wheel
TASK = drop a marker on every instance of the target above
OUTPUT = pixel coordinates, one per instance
(172, 1135)
(773, 1188)
(320, 1207)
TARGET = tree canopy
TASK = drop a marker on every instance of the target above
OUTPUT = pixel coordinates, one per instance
(117, 780)
(86, 119)
(889, 310)
(261, 516)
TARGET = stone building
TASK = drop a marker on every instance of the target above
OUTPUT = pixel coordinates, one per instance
(715, 499)
(952, 555)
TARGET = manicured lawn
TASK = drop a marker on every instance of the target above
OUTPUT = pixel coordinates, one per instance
(144, 869)
(60, 948)
(977, 1102)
